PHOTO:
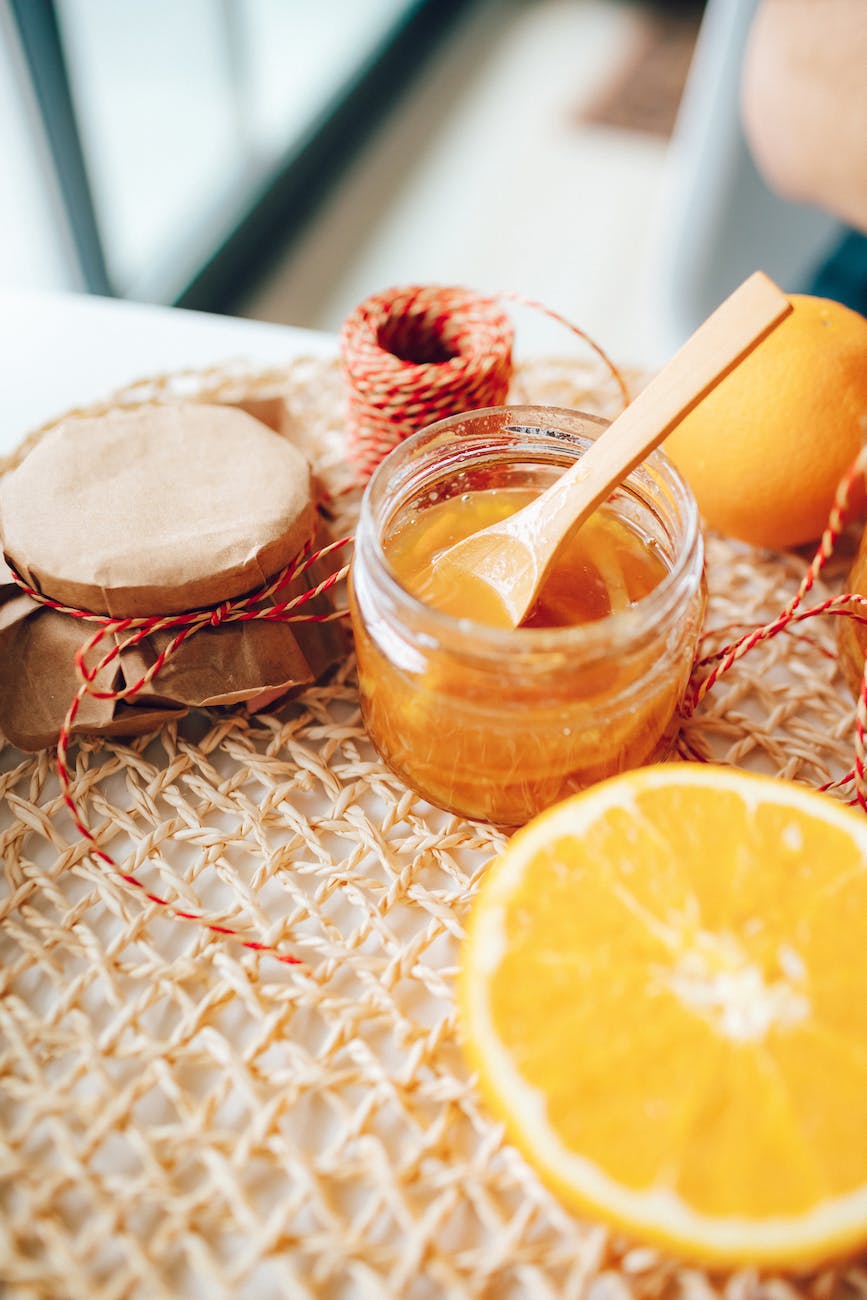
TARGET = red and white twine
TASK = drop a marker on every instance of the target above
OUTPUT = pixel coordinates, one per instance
(412, 356)
(708, 669)
(123, 634)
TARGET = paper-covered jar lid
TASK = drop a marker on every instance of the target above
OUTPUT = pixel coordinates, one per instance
(156, 510)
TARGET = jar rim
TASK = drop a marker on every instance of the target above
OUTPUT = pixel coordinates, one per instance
(623, 626)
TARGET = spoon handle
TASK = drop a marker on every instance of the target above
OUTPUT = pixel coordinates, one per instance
(717, 346)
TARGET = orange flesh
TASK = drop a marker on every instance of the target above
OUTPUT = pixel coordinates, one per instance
(664, 979)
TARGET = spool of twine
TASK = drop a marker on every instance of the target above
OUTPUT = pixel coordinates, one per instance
(415, 355)
(418, 354)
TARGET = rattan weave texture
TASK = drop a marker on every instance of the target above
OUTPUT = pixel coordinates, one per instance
(183, 1118)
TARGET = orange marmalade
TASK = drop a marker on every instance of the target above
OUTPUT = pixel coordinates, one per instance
(604, 567)
(498, 723)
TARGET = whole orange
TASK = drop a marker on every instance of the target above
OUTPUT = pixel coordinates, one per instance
(765, 450)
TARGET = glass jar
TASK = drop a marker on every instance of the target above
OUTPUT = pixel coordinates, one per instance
(496, 724)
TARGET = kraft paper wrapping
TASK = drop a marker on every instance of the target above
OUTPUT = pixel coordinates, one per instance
(155, 511)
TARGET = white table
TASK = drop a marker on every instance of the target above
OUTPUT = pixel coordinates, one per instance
(64, 350)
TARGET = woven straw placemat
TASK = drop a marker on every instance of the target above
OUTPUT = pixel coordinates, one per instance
(183, 1117)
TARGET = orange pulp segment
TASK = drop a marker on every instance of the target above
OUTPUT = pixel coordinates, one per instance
(663, 991)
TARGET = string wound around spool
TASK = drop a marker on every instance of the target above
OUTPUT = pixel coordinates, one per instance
(415, 355)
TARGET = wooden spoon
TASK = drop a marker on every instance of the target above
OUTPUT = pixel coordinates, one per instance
(514, 557)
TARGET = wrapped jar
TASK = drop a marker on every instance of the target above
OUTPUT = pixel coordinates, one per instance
(496, 723)
(157, 510)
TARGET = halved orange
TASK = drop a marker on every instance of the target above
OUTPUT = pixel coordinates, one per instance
(664, 990)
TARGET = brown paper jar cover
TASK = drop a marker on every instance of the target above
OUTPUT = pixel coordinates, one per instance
(156, 510)
(148, 512)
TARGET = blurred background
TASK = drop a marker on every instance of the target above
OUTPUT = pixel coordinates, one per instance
(283, 159)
